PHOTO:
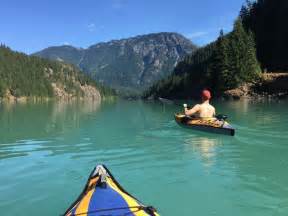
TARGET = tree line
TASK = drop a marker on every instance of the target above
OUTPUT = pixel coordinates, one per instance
(267, 20)
(258, 42)
(22, 75)
(224, 64)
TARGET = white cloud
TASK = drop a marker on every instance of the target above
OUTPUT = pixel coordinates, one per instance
(66, 43)
(91, 27)
(202, 37)
(195, 35)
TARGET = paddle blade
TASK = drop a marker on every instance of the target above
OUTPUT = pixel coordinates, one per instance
(166, 101)
(221, 117)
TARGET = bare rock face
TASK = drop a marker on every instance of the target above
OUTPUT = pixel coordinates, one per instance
(59, 92)
(240, 92)
(78, 90)
(87, 92)
(271, 85)
(274, 82)
(90, 92)
(129, 64)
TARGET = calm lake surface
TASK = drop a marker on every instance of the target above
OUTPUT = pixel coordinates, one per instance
(48, 150)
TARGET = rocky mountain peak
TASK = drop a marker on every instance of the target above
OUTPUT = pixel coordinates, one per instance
(131, 64)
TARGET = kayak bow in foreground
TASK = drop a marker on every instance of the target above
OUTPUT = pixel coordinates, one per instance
(104, 196)
(212, 125)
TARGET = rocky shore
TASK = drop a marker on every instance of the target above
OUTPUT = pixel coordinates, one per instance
(88, 92)
(269, 86)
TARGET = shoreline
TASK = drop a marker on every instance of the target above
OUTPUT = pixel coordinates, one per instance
(33, 99)
(25, 99)
(271, 86)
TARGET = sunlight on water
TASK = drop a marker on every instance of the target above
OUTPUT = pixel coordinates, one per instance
(48, 150)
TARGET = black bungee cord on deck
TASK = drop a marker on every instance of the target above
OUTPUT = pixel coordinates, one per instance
(149, 209)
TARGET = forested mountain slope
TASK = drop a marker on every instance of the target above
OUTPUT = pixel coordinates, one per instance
(219, 66)
(31, 76)
(128, 65)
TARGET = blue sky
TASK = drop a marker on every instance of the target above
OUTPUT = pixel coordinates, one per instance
(31, 25)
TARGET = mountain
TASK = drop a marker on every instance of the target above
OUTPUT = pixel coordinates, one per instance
(65, 53)
(23, 76)
(225, 64)
(231, 66)
(132, 64)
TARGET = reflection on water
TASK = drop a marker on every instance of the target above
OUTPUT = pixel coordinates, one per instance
(48, 149)
(28, 127)
(77, 107)
(206, 147)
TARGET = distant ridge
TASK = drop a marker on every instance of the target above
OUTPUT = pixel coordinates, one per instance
(128, 65)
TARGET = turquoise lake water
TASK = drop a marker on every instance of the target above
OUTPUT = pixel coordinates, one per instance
(48, 150)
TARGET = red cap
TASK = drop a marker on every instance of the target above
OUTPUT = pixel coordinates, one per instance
(206, 95)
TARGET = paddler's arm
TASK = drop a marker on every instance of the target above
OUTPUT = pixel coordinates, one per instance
(192, 111)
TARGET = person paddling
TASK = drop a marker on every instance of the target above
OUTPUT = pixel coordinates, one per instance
(203, 110)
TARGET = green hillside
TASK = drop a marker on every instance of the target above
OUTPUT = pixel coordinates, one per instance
(219, 66)
(259, 40)
(30, 76)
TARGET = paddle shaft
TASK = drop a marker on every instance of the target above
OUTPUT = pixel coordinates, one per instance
(167, 101)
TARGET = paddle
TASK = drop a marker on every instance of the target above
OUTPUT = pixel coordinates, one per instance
(167, 101)
(220, 117)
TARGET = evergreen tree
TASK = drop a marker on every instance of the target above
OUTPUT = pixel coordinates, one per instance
(253, 69)
(219, 72)
(244, 64)
(237, 54)
(23, 75)
(222, 65)
(267, 19)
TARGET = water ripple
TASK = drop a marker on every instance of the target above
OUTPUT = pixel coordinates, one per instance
(46, 163)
